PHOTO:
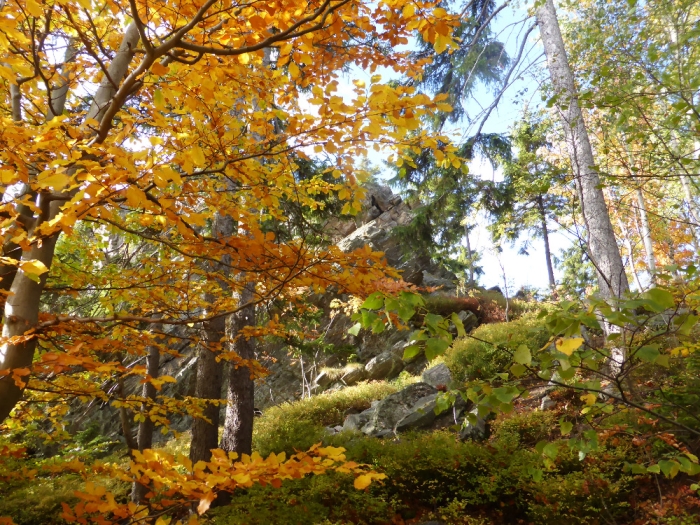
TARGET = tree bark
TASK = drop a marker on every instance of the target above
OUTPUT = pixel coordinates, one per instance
(545, 236)
(238, 427)
(205, 436)
(146, 426)
(646, 233)
(602, 245)
(22, 306)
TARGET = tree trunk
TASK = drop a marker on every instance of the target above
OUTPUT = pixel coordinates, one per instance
(602, 246)
(205, 436)
(646, 233)
(470, 258)
(545, 236)
(22, 306)
(146, 427)
(238, 427)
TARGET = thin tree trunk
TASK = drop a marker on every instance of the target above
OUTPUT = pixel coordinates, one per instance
(630, 251)
(22, 306)
(470, 260)
(238, 427)
(545, 236)
(602, 245)
(646, 233)
(146, 426)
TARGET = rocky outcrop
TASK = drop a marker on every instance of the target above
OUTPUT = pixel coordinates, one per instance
(437, 376)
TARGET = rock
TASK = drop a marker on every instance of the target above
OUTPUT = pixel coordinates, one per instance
(475, 432)
(323, 379)
(354, 375)
(433, 281)
(392, 409)
(469, 320)
(385, 365)
(422, 414)
(547, 403)
(438, 375)
(357, 421)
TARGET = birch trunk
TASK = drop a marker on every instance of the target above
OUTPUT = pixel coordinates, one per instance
(602, 245)
(646, 232)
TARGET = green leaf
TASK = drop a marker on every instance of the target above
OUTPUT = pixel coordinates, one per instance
(458, 324)
(551, 450)
(654, 469)
(435, 347)
(411, 351)
(368, 318)
(687, 322)
(412, 299)
(391, 304)
(374, 301)
(378, 326)
(517, 370)
(663, 360)
(535, 473)
(669, 468)
(635, 468)
(433, 321)
(354, 329)
(648, 353)
(406, 311)
(522, 355)
(661, 299)
(566, 427)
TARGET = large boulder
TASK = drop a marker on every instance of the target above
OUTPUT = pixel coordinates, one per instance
(392, 409)
(385, 366)
(421, 415)
(437, 376)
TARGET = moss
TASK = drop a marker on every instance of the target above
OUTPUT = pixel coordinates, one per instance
(299, 425)
(484, 355)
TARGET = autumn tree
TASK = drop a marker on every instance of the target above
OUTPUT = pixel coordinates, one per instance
(174, 133)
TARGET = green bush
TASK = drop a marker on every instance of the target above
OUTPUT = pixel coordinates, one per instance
(470, 358)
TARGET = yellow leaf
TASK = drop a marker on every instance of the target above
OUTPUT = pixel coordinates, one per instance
(56, 181)
(363, 481)
(567, 346)
(33, 269)
(135, 197)
(589, 399)
(159, 69)
(244, 58)
(409, 10)
(359, 83)
(34, 8)
(197, 155)
(293, 70)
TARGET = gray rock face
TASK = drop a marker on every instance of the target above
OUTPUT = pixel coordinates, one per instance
(385, 366)
(353, 376)
(478, 431)
(392, 409)
(468, 319)
(422, 414)
(357, 421)
(438, 375)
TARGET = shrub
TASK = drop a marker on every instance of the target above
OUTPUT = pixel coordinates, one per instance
(469, 359)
